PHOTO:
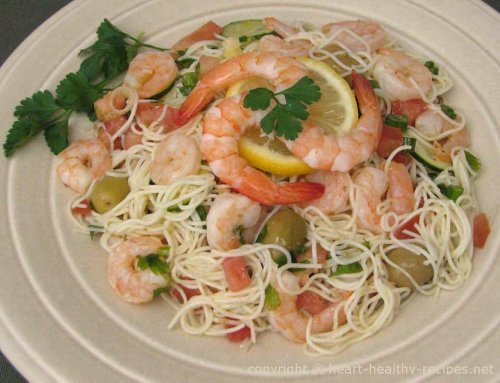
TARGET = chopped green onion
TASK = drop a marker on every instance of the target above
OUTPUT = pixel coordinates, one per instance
(272, 299)
(239, 232)
(397, 120)
(347, 269)
(185, 63)
(249, 39)
(154, 263)
(189, 81)
(160, 290)
(473, 161)
(300, 249)
(410, 141)
(280, 259)
(432, 67)
(163, 251)
(202, 213)
(367, 244)
(451, 191)
(375, 84)
(448, 110)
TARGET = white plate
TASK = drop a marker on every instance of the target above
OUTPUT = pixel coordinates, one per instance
(59, 320)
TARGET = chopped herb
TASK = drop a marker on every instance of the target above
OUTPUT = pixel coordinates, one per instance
(189, 81)
(239, 232)
(163, 251)
(272, 299)
(432, 67)
(367, 244)
(185, 63)
(451, 191)
(181, 53)
(280, 259)
(347, 269)
(262, 234)
(284, 119)
(160, 290)
(202, 213)
(397, 121)
(154, 263)
(473, 161)
(250, 39)
(448, 110)
(300, 249)
(174, 209)
(375, 84)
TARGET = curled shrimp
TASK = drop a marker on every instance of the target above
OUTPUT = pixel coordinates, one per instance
(150, 73)
(231, 219)
(335, 199)
(127, 279)
(223, 125)
(279, 27)
(294, 48)
(443, 148)
(329, 152)
(401, 76)
(292, 322)
(365, 36)
(371, 185)
(281, 71)
(115, 103)
(82, 162)
(176, 156)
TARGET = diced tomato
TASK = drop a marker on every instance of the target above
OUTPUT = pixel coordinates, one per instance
(311, 302)
(238, 335)
(207, 63)
(149, 112)
(321, 254)
(84, 211)
(391, 139)
(412, 108)
(205, 32)
(481, 230)
(189, 293)
(111, 128)
(236, 272)
(408, 226)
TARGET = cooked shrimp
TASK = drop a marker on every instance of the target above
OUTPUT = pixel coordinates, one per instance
(442, 148)
(131, 283)
(230, 216)
(292, 48)
(115, 103)
(176, 156)
(371, 184)
(281, 71)
(400, 189)
(364, 34)
(150, 73)
(279, 27)
(82, 162)
(223, 125)
(292, 323)
(401, 76)
(335, 199)
(329, 152)
(430, 123)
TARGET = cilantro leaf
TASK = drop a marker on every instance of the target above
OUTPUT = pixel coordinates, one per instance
(451, 191)
(56, 136)
(473, 161)
(285, 118)
(350, 268)
(75, 92)
(259, 98)
(154, 263)
(272, 299)
(22, 131)
(40, 106)
(160, 290)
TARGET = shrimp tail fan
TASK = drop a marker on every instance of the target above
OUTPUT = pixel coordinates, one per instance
(194, 104)
(364, 92)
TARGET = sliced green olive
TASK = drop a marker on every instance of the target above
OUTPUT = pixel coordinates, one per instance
(285, 228)
(108, 193)
(413, 264)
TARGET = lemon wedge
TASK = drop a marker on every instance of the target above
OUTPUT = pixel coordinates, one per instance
(336, 113)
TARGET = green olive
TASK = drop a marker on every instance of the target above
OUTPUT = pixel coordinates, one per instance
(108, 193)
(285, 228)
(413, 264)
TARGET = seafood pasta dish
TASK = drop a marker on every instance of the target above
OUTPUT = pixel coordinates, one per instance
(267, 175)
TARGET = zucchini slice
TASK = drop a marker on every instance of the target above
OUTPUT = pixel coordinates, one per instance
(426, 156)
(249, 28)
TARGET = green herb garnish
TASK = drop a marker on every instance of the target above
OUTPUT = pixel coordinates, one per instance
(160, 290)
(433, 68)
(284, 119)
(347, 269)
(202, 213)
(154, 262)
(473, 161)
(397, 121)
(375, 84)
(448, 110)
(185, 63)
(251, 39)
(272, 299)
(239, 232)
(189, 81)
(451, 191)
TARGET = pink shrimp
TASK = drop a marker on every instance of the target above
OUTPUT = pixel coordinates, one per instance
(279, 27)
(400, 189)
(281, 71)
(329, 152)
(365, 34)
(294, 48)
(292, 322)
(336, 196)
(223, 125)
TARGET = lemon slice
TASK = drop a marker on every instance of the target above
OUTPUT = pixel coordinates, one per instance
(336, 112)
(247, 85)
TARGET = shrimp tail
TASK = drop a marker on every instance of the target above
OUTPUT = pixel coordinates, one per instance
(197, 100)
(364, 92)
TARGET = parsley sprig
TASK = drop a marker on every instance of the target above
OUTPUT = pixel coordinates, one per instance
(285, 118)
(105, 59)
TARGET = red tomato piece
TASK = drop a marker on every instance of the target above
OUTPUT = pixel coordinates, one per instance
(311, 302)
(189, 293)
(205, 32)
(238, 335)
(236, 272)
(111, 128)
(149, 112)
(412, 108)
(85, 211)
(481, 230)
(408, 226)
(391, 139)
